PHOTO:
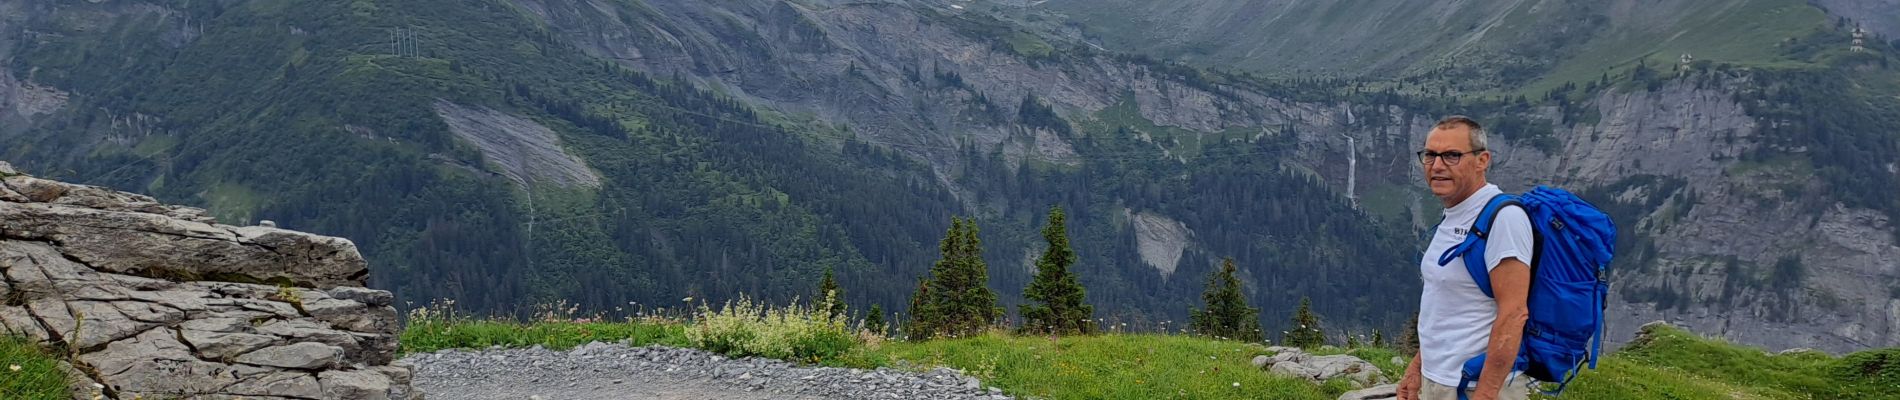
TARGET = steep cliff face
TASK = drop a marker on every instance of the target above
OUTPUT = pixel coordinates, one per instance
(154, 300)
(20, 101)
(909, 75)
(1759, 251)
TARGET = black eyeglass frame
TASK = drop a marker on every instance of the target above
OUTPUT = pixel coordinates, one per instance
(1452, 158)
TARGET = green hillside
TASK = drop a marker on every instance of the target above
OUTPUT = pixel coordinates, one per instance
(325, 117)
(309, 114)
(1472, 45)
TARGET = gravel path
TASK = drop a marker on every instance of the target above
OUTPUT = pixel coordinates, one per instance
(600, 371)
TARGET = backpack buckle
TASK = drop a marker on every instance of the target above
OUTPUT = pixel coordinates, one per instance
(1556, 224)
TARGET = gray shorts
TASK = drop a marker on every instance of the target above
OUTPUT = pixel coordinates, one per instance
(1514, 389)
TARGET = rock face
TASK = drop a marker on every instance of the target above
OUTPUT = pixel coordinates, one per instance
(1293, 362)
(1160, 240)
(159, 301)
(524, 151)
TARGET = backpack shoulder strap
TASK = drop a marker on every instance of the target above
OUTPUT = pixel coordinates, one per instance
(1475, 242)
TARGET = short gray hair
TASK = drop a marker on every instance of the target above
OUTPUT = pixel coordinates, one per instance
(1478, 139)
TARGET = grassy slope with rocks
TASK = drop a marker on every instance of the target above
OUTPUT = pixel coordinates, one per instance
(1666, 362)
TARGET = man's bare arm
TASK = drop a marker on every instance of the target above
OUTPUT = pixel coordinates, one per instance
(1511, 283)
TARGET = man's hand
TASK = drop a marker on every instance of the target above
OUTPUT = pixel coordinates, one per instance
(1408, 386)
(1511, 281)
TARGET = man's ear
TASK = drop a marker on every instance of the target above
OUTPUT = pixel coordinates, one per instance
(1484, 161)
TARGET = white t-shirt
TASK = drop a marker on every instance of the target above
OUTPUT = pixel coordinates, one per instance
(1454, 317)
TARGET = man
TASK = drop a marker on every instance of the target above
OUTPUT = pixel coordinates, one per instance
(1456, 320)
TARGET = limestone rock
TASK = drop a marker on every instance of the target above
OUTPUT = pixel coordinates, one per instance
(1390, 391)
(366, 385)
(157, 300)
(133, 235)
(1297, 363)
(302, 355)
(282, 383)
(1294, 370)
(225, 346)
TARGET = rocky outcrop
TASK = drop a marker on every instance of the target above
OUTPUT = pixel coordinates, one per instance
(1675, 153)
(153, 300)
(524, 151)
(1160, 240)
(1293, 362)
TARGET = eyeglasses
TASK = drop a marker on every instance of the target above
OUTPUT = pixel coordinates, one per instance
(1451, 157)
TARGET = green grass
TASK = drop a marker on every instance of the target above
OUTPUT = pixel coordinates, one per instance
(1133, 366)
(1619, 378)
(1028, 45)
(1671, 364)
(154, 146)
(1744, 33)
(427, 336)
(1677, 364)
(1126, 114)
(38, 377)
(1795, 167)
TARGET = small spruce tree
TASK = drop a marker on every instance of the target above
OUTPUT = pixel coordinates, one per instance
(1305, 332)
(922, 324)
(1226, 314)
(830, 298)
(875, 321)
(1056, 297)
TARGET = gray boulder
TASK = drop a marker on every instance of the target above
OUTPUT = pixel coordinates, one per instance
(160, 301)
(1297, 363)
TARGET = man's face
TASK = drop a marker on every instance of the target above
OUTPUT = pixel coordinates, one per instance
(1454, 181)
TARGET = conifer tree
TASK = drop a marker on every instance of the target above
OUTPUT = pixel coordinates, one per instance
(1056, 297)
(1305, 333)
(1378, 339)
(1226, 314)
(830, 298)
(960, 297)
(923, 317)
(875, 321)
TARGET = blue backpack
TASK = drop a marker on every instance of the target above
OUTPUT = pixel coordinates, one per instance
(1570, 256)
